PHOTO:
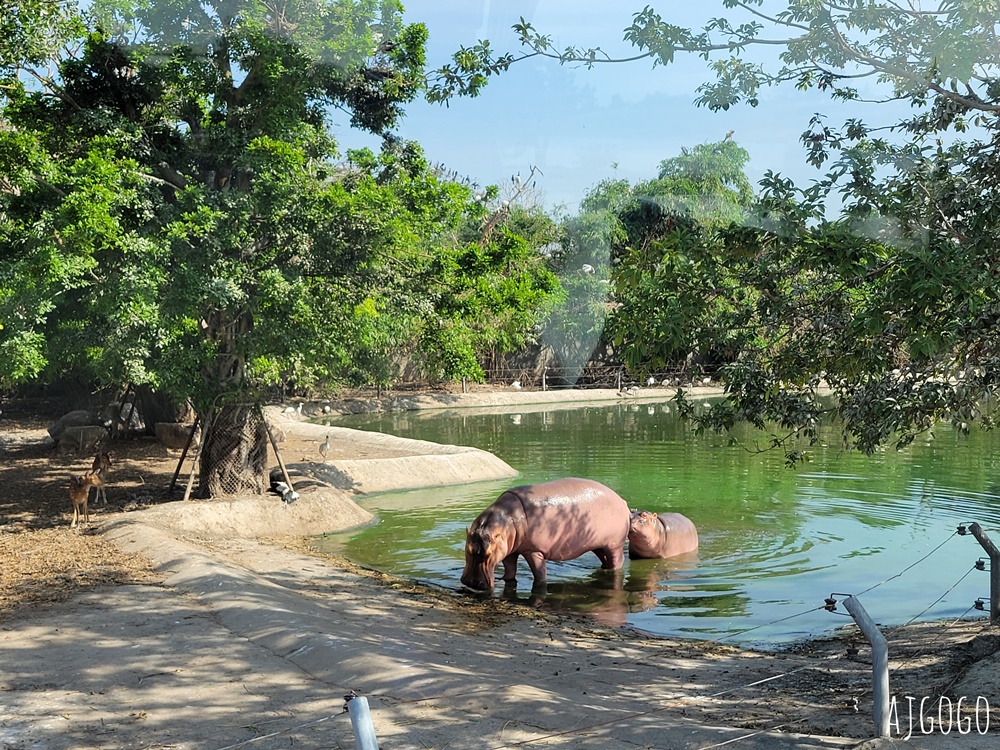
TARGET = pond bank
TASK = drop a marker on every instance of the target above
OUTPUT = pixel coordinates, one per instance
(484, 398)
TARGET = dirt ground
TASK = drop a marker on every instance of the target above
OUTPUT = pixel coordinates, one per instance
(56, 581)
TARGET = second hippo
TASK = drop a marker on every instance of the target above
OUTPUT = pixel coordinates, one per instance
(660, 535)
(558, 520)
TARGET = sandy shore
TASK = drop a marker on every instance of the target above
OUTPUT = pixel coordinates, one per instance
(250, 641)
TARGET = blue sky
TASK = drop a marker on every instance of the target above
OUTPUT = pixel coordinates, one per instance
(575, 124)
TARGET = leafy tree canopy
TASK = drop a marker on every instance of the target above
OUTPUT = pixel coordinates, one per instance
(894, 304)
(174, 210)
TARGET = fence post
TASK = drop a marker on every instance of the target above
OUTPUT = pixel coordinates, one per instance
(545, 384)
(880, 665)
(994, 553)
(618, 379)
(361, 722)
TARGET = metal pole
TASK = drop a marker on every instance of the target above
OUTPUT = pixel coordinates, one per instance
(361, 721)
(994, 553)
(880, 665)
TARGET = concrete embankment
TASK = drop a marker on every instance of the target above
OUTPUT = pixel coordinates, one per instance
(327, 489)
(409, 464)
(501, 398)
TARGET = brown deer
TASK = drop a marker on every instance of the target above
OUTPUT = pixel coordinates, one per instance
(101, 467)
(79, 494)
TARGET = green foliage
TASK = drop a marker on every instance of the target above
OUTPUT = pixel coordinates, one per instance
(31, 32)
(173, 211)
(468, 73)
(490, 298)
(672, 285)
(656, 243)
(707, 183)
(894, 305)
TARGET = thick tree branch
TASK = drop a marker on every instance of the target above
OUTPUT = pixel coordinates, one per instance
(51, 187)
(906, 74)
(173, 178)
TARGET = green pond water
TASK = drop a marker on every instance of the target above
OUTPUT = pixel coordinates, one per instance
(775, 542)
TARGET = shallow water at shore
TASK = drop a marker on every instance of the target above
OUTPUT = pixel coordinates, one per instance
(775, 542)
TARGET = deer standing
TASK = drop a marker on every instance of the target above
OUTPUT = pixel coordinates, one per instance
(101, 467)
(79, 494)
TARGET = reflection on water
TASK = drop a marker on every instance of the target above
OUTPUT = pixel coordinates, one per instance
(775, 542)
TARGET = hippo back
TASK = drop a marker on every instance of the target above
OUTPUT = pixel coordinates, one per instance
(567, 517)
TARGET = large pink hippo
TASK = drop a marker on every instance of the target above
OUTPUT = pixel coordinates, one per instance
(558, 520)
(663, 535)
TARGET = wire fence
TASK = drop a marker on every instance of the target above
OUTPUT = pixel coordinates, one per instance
(681, 704)
(858, 675)
(533, 377)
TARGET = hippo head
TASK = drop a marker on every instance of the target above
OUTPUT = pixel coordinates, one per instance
(640, 519)
(645, 534)
(483, 551)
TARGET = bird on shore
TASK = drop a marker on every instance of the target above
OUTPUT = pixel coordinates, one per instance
(324, 447)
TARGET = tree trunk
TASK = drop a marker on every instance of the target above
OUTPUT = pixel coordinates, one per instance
(234, 447)
(234, 454)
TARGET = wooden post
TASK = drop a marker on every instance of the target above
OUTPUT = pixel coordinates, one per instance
(187, 445)
(277, 454)
(197, 454)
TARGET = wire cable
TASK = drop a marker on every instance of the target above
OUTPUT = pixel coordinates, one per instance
(940, 635)
(909, 567)
(754, 734)
(280, 731)
(763, 625)
(940, 597)
(758, 682)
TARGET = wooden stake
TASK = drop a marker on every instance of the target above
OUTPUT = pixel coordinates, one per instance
(277, 453)
(197, 455)
(177, 471)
